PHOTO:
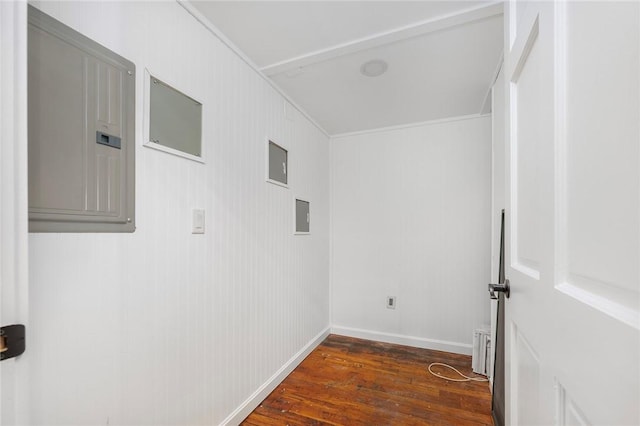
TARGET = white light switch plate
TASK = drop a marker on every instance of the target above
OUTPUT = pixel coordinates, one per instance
(197, 222)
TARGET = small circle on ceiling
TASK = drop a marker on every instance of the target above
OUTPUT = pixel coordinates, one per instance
(374, 68)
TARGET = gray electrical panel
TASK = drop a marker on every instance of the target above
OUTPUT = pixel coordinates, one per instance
(303, 218)
(81, 132)
(277, 163)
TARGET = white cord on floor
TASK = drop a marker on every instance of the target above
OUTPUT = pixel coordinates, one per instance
(466, 378)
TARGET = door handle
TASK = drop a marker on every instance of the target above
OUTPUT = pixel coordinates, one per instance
(494, 289)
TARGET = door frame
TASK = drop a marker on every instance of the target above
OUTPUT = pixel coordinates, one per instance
(13, 203)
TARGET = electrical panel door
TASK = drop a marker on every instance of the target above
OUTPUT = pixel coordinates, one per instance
(81, 132)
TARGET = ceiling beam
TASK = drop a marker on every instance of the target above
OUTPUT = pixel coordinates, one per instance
(380, 39)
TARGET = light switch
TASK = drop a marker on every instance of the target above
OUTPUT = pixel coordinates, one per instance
(198, 221)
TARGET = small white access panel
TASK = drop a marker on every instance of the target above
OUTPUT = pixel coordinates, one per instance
(277, 164)
(303, 217)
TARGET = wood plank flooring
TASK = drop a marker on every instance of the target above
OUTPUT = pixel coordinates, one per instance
(347, 381)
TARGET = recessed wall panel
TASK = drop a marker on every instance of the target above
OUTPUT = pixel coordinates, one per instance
(104, 109)
(526, 140)
(525, 381)
(600, 232)
(568, 413)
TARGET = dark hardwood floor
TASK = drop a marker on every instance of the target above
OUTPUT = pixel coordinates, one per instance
(347, 381)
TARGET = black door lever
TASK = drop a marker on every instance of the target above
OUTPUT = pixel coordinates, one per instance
(494, 289)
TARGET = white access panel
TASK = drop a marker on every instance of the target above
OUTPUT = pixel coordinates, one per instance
(277, 164)
(303, 217)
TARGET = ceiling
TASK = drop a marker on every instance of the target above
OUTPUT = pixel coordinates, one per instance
(442, 56)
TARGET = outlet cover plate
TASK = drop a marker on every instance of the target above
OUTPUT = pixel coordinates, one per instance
(391, 302)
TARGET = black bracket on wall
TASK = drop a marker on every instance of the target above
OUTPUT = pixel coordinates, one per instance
(12, 341)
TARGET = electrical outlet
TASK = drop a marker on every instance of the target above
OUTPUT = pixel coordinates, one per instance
(391, 302)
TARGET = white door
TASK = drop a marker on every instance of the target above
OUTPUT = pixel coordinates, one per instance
(573, 213)
(13, 202)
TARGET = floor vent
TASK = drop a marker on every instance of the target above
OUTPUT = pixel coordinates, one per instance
(481, 351)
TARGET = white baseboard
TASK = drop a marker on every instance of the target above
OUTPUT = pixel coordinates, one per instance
(399, 339)
(240, 413)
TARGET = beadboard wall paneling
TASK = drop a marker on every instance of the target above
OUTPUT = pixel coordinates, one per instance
(162, 326)
(410, 218)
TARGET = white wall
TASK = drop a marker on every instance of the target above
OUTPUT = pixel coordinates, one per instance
(162, 326)
(410, 217)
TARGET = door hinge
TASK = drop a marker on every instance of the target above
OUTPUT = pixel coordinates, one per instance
(12, 341)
